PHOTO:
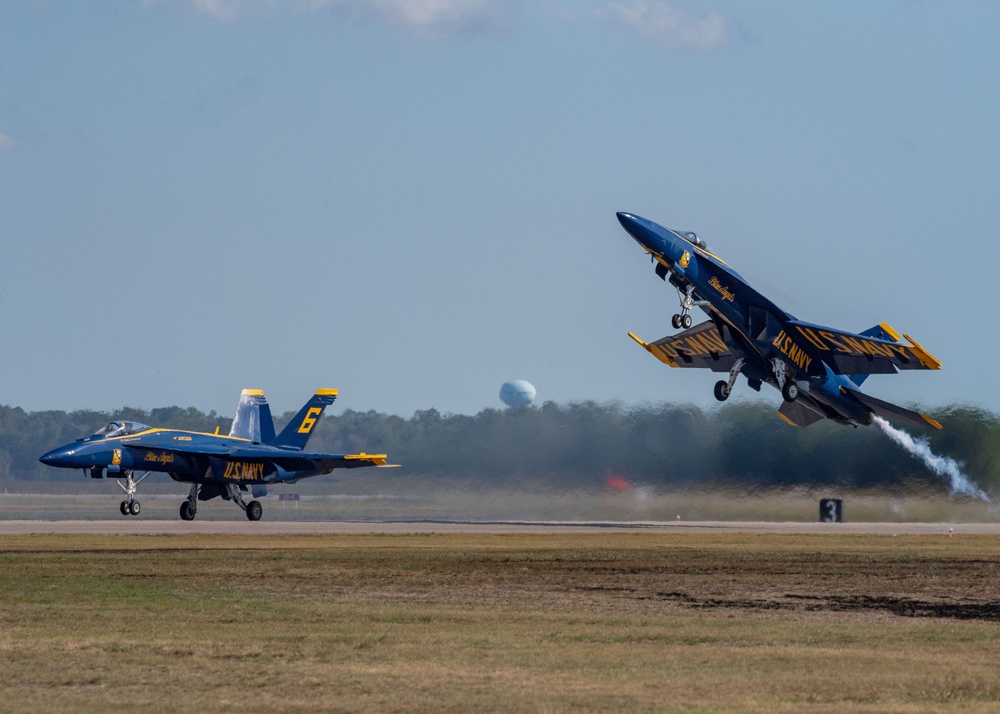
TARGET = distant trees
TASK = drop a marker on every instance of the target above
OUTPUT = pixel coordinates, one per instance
(742, 444)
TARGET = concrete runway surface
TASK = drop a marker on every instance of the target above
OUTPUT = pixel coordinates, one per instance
(131, 526)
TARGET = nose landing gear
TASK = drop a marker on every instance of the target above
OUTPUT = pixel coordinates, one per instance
(130, 506)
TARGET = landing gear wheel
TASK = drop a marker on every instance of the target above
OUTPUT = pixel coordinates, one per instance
(722, 390)
(254, 510)
(790, 391)
(134, 508)
(124, 508)
(187, 511)
(686, 321)
(676, 322)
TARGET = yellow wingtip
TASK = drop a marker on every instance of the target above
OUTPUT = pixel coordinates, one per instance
(888, 328)
(643, 344)
(932, 422)
(926, 358)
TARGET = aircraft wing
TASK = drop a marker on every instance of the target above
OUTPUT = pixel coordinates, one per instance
(700, 346)
(288, 459)
(306, 460)
(877, 352)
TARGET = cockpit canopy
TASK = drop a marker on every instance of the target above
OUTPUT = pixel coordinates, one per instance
(693, 238)
(120, 428)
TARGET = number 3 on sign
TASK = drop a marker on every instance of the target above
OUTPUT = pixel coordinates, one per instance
(310, 420)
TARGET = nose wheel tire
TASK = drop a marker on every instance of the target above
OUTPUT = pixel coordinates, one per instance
(790, 391)
(676, 322)
(129, 508)
(254, 510)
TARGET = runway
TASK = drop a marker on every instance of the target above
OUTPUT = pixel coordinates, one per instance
(243, 527)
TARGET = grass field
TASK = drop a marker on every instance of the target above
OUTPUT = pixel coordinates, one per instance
(515, 623)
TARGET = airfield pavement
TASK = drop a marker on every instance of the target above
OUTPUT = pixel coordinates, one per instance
(129, 526)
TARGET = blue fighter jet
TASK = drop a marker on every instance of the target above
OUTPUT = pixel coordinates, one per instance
(251, 457)
(818, 370)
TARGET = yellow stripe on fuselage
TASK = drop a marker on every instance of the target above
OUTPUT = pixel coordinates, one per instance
(148, 432)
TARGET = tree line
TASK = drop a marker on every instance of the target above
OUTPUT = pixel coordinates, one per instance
(742, 444)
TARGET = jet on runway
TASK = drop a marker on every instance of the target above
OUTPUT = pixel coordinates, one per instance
(250, 458)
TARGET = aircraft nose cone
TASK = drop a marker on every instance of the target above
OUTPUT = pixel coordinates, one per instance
(63, 456)
(626, 219)
(641, 230)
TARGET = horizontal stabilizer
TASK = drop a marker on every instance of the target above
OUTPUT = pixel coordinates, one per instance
(797, 413)
(887, 410)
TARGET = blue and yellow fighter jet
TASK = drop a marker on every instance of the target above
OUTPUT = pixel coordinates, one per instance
(251, 457)
(818, 370)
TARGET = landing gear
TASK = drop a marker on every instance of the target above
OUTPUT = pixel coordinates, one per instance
(786, 383)
(722, 388)
(130, 506)
(253, 509)
(687, 302)
(190, 507)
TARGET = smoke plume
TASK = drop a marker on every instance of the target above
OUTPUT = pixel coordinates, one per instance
(941, 465)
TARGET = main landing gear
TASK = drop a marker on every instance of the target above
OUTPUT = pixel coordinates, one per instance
(253, 509)
(189, 508)
(130, 506)
(786, 383)
(789, 389)
(723, 388)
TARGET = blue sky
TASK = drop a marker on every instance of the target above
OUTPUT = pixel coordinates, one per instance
(414, 200)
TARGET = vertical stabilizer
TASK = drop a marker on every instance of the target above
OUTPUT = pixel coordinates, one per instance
(253, 418)
(881, 331)
(301, 427)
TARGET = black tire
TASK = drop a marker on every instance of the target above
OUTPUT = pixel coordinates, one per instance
(187, 512)
(135, 508)
(790, 391)
(676, 322)
(686, 321)
(123, 507)
(254, 510)
(722, 390)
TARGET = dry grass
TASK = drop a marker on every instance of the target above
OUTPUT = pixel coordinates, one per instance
(611, 622)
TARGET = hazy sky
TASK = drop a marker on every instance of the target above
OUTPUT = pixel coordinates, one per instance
(414, 200)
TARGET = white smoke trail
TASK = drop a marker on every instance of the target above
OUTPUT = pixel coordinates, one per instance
(941, 465)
